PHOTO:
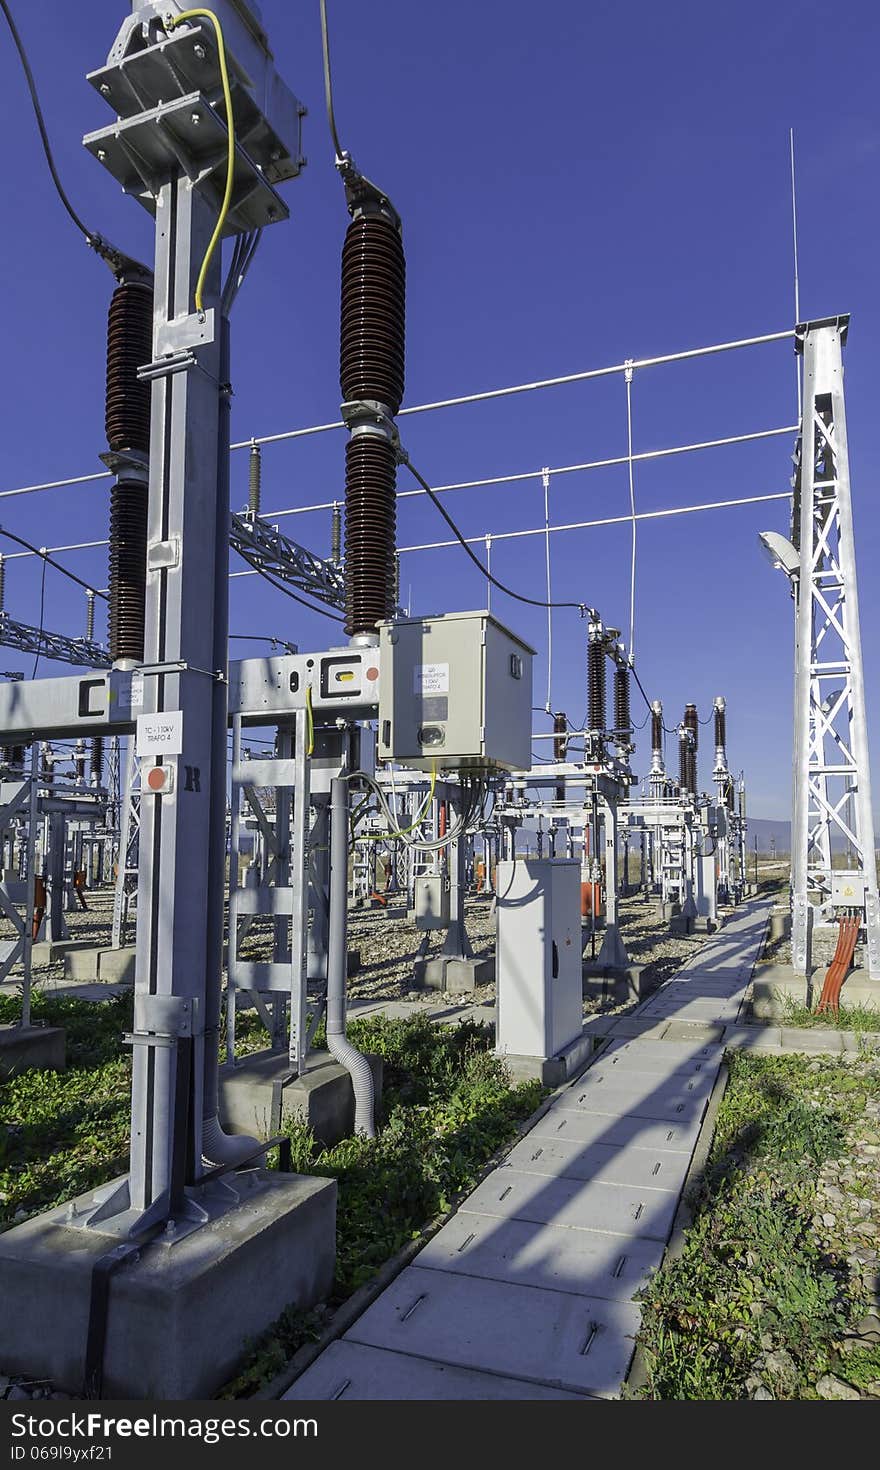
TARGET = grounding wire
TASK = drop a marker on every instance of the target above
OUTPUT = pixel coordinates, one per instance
(200, 12)
(502, 587)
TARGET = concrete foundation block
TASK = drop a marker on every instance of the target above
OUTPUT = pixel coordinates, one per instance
(430, 974)
(323, 1098)
(681, 924)
(618, 984)
(116, 966)
(458, 976)
(51, 951)
(822, 1040)
(551, 1071)
(780, 923)
(463, 976)
(81, 964)
(180, 1313)
(30, 1049)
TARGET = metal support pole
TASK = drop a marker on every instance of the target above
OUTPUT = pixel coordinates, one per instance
(832, 782)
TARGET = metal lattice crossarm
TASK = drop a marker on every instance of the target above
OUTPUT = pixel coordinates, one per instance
(265, 549)
(52, 645)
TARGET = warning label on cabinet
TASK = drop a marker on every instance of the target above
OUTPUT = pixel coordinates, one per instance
(431, 679)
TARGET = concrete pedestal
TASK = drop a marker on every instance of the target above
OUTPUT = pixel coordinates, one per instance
(113, 966)
(323, 1098)
(180, 1314)
(458, 976)
(624, 984)
(51, 951)
(551, 1071)
(31, 1048)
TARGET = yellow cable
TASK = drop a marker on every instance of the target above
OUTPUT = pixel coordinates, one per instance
(200, 13)
(310, 721)
(403, 831)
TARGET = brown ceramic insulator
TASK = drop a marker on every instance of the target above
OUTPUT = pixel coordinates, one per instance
(373, 317)
(596, 685)
(128, 569)
(622, 718)
(656, 729)
(370, 531)
(129, 347)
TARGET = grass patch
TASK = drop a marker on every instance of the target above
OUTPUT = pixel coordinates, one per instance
(847, 1018)
(448, 1107)
(753, 1299)
(66, 1132)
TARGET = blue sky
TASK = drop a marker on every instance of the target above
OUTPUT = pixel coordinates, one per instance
(579, 184)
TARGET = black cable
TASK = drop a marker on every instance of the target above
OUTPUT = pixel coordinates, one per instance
(280, 587)
(45, 555)
(42, 615)
(532, 601)
(328, 83)
(44, 136)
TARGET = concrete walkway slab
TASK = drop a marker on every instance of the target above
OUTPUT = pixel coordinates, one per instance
(616, 1208)
(629, 1076)
(573, 1126)
(610, 1164)
(550, 1256)
(669, 1100)
(663, 1057)
(548, 1337)
(349, 1371)
(531, 1282)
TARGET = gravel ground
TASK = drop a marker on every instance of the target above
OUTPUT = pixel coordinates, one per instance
(388, 946)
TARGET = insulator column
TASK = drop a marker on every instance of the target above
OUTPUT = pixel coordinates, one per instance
(720, 737)
(255, 480)
(336, 536)
(372, 355)
(683, 773)
(657, 765)
(692, 723)
(2, 583)
(596, 683)
(97, 760)
(560, 748)
(622, 717)
(129, 346)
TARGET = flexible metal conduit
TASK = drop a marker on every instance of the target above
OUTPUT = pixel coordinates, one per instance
(338, 1045)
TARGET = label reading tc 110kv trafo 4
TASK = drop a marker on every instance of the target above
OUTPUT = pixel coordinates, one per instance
(431, 679)
(160, 734)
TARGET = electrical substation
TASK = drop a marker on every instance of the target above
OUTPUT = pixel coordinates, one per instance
(400, 774)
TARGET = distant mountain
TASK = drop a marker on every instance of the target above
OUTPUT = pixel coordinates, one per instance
(769, 831)
(766, 829)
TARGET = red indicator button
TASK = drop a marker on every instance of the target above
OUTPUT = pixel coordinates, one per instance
(157, 778)
(372, 675)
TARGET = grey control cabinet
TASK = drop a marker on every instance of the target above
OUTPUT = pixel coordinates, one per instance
(538, 956)
(455, 692)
